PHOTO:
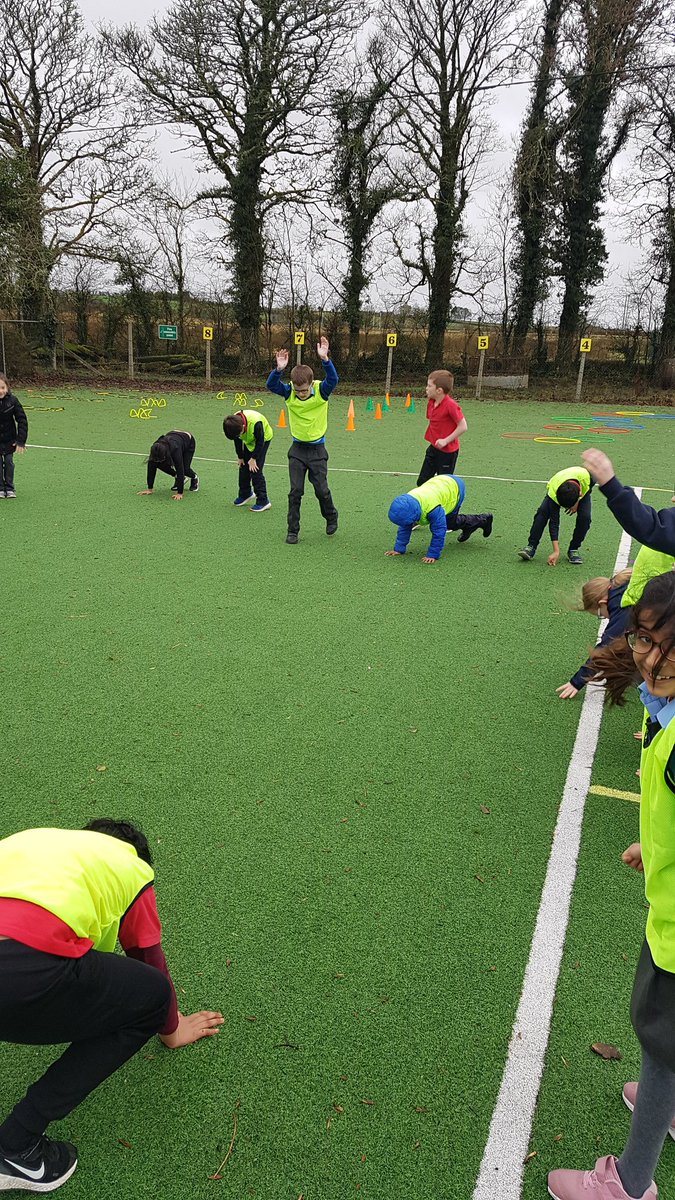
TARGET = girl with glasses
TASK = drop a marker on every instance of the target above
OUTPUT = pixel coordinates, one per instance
(646, 653)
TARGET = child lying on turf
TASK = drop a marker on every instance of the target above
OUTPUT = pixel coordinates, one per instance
(435, 503)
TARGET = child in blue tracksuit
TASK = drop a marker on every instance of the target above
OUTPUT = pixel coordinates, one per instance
(435, 503)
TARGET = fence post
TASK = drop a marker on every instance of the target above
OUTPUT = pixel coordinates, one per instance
(130, 344)
(2, 339)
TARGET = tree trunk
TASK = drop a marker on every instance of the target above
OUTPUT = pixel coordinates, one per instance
(533, 183)
(353, 286)
(667, 335)
(246, 234)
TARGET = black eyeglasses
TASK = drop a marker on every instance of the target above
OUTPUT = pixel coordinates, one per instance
(642, 643)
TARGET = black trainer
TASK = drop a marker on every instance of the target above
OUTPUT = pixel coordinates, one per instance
(292, 538)
(42, 1168)
(487, 527)
(194, 484)
(331, 527)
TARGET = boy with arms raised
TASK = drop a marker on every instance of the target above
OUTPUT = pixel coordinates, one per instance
(307, 403)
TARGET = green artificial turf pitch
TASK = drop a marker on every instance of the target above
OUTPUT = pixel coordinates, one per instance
(349, 768)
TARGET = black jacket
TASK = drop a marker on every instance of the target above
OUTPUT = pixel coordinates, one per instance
(13, 424)
(645, 524)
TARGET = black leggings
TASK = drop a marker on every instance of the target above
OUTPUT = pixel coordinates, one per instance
(105, 1005)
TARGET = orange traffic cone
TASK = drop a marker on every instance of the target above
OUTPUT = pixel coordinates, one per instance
(281, 423)
(350, 410)
(378, 412)
(351, 427)
(407, 400)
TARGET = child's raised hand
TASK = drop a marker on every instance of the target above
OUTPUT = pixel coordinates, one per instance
(633, 857)
(600, 467)
(567, 691)
(282, 359)
(323, 348)
(552, 559)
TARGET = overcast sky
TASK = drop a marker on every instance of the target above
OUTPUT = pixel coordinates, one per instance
(508, 110)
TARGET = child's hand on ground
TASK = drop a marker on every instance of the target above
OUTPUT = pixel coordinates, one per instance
(282, 359)
(567, 691)
(393, 554)
(178, 496)
(552, 559)
(252, 465)
(633, 857)
(600, 467)
(428, 560)
(323, 348)
(191, 1029)
(147, 492)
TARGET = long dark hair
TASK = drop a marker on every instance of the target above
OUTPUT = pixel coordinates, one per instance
(614, 662)
(160, 451)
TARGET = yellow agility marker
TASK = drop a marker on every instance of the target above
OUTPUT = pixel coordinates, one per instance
(634, 413)
(557, 441)
(483, 342)
(220, 396)
(585, 345)
(240, 398)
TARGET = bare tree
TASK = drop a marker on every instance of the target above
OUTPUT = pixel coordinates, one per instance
(451, 53)
(65, 124)
(242, 77)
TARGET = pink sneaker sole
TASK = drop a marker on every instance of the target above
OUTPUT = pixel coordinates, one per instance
(629, 1094)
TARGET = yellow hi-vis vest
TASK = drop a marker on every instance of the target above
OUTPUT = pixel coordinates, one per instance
(88, 880)
(440, 489)
(581, 475)
(657, 842)
(648, 564)
(308, 419)
(252, 418)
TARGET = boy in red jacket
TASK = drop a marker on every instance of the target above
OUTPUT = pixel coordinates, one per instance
(446, 426)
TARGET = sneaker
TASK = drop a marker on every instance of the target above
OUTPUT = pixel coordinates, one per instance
(10, 494)
(174, 488)
(602, 1183)
(527, 554)
(239, 501)
(331, 527)
(629, 1094)
(291, 539)
(260, 507)
(2, 493)
(575, 558)
(42, 1168)
(194, 484)
(487, 528)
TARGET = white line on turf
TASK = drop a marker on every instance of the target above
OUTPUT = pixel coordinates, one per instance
(333, 470)
(501, 1169)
